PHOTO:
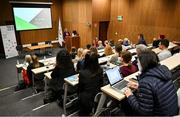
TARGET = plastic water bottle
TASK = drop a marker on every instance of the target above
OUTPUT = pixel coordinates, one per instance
(44, 58)
(17, 62)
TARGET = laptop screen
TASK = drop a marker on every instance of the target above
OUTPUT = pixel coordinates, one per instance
(113, 75)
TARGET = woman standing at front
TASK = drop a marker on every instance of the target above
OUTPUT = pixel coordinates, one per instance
(156, 94)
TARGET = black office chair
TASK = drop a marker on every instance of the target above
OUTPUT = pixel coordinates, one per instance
(34, 44)
(48, 50)
(47, 42)
(37, 51)
(19, 48)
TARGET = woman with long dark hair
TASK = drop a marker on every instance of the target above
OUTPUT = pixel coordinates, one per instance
(141, 40)
(64, 68)
(90, 81)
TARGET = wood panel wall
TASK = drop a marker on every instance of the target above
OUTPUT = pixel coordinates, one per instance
(101, 12)
(150, 17)
(77, 15)
(25, 37)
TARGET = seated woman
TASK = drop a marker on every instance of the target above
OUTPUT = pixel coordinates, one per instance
(64, 68)
(73, 52)
(79, 55)
(141, 40)
(156, 94)
(100, 45)
(95, 42)
(107, 49)
(35, 64)
(114, 58)
(93, 49)
(28, 60)
(126, 42)
(127, 67)
(90, 81)
(80, 63)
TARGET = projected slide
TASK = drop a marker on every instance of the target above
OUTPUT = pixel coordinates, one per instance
(32, 18)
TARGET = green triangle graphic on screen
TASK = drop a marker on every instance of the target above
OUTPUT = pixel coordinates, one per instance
(23, 25)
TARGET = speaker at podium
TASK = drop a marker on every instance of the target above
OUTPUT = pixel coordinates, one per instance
(72, 42)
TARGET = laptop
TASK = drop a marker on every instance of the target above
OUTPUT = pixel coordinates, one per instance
(116, 80)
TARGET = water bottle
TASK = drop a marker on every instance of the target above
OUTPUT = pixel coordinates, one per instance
(44, 60)
(17, 62)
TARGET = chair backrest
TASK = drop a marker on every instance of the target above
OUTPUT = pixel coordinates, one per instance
(34, 44)
(19, 48)
(47, 42)
(96, 101)
(178, 94)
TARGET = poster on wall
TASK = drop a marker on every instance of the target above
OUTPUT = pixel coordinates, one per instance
(9, 40)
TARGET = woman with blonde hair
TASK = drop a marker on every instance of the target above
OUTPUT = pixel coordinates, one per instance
(35, 64)
(79, 54)
(28, 60)
(80, 63)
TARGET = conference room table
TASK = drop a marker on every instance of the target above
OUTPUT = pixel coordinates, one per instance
(31, 48)
(171, 62)
(50, 65)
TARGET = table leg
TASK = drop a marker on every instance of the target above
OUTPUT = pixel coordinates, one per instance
(33, 84)
(19, 73)
(65, 97)
(45, 87)
(100, 104)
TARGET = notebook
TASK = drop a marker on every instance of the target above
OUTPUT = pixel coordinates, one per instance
(116, 80)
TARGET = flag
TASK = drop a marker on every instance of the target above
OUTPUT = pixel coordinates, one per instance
(60, 35)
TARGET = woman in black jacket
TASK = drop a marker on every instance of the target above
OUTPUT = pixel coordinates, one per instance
(64, 68)
(90, 81)
(155, 93)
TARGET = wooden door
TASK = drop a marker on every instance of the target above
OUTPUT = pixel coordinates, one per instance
(103, 29)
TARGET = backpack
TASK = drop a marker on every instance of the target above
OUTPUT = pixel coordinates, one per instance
(25, 77)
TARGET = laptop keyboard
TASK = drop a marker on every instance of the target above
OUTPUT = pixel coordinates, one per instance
(121, 84)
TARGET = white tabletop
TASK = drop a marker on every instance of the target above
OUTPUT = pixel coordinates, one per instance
(42, 69)
(171, 62)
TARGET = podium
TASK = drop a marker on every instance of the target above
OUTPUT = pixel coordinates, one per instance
(72, 42)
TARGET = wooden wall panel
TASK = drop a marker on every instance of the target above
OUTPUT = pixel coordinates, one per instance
(150, 17)
(101, 12)
(76, 16)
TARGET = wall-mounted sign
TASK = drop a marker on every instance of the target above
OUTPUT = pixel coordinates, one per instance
(120, 18)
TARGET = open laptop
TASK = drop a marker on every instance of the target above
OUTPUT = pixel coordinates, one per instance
(116, 80)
